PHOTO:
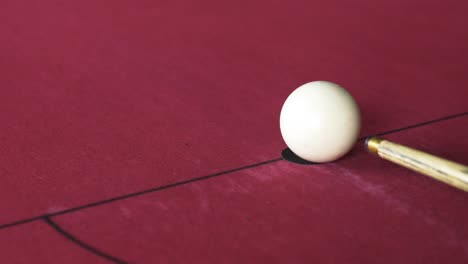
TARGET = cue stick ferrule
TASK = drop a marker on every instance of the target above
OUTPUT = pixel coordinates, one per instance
(449, 172)
(372, 144)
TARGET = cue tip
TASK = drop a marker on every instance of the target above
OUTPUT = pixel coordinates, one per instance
(372, 144)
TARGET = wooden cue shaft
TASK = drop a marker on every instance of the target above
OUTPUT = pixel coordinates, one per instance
(443, 170)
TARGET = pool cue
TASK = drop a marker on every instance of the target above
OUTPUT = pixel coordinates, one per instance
(440, 169)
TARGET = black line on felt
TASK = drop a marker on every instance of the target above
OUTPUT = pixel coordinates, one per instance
(164, 187)
(126, 196)
(155, 189)
(80, 243)
(445, 118)
(22, 221)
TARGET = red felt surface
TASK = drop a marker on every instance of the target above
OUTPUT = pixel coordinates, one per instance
(103, 98)
(341, 212)
(38, 243)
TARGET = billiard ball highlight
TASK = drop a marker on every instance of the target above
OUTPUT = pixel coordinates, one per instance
(320, 121)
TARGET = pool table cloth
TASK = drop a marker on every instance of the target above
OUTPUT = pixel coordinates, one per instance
(148, 131)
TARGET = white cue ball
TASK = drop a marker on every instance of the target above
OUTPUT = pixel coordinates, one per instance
(320, 121)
